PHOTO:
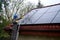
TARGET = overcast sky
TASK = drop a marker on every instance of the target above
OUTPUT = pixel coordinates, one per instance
(45, 2)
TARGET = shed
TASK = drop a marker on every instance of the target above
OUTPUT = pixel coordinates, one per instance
(42, 21)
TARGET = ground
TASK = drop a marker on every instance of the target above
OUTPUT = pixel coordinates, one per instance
(22, 37)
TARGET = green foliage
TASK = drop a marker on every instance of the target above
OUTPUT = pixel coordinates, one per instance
(0, 6)
(3, 34)
(5, 22)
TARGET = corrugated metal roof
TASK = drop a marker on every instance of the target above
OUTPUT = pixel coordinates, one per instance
(43, 15)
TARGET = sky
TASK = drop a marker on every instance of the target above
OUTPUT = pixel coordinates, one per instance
(45, 2)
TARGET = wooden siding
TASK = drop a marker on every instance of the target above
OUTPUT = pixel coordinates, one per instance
(38, 29)
(41, 29)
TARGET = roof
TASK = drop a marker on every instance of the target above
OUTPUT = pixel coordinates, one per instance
(42, 15)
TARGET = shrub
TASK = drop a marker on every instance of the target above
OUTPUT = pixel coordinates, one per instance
(3, 34)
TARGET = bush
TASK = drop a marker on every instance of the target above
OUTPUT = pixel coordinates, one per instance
(3, 34)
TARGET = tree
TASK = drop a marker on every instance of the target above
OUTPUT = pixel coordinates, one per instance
(18, 7)
(39, 4)
(11, 7)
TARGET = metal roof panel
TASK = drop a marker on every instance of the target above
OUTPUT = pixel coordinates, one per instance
(43, 15)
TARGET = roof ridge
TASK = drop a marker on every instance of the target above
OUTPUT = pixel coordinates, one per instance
(45, 7)
(48, 6)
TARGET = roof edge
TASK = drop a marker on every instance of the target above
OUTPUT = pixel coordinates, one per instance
(44, 7)
(49, 6)
(41, 24)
